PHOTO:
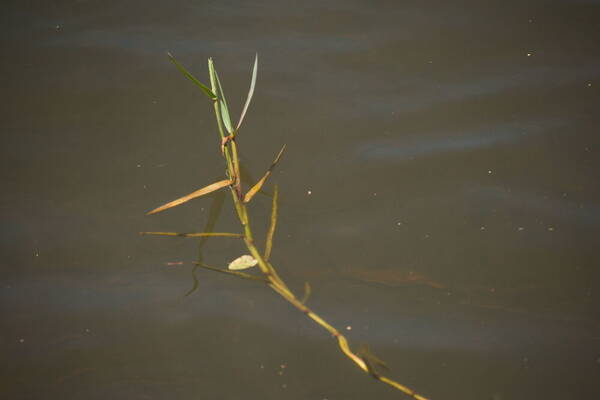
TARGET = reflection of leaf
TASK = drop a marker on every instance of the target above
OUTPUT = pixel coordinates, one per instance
(307, 292)
(371, 361)
(235, 273)
(200, 192)
(196, 282)
(243, 262)
(245, 175)
(214, 213)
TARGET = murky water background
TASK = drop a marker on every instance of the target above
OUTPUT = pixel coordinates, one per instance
(440, 192)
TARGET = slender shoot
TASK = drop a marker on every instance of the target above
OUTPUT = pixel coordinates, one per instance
(267, 273)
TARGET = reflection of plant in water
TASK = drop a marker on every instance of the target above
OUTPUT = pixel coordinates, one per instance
(362, 357)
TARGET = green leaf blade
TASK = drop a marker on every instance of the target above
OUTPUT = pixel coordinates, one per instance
(250, 92)
(225, 117)
(223, 105)
(192, 78)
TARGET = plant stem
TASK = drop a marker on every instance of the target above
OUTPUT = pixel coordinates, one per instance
(279, 286)
(271, 277)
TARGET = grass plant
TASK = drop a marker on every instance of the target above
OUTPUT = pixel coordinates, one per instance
(267, 274)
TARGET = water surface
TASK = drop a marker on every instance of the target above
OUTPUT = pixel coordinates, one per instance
(439, 191)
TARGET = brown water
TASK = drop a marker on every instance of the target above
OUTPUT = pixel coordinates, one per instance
(440, 192)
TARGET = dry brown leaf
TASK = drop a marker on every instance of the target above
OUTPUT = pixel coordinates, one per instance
(200, 192)
(271, 232)
(224, 142)
(194, 234)
(250, 194)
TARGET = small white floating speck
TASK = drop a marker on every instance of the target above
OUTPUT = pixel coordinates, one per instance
(309, 192)
(243, 262)
(551, 228)
(348, 328)
(521, 228)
